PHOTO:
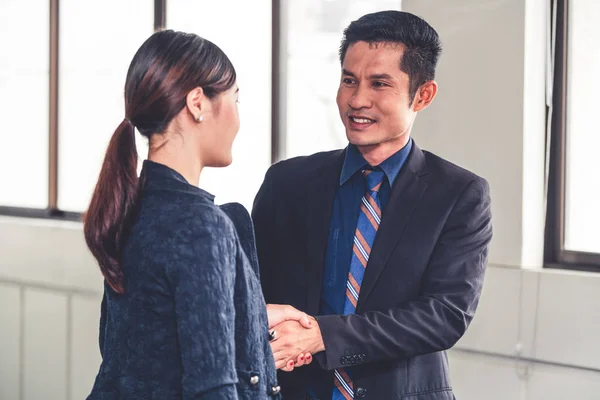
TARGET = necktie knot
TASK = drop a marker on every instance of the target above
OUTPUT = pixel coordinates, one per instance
(373, 179)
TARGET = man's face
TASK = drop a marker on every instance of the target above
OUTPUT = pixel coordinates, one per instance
(373, 97)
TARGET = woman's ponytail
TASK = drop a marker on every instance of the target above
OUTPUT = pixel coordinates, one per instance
(109, 216)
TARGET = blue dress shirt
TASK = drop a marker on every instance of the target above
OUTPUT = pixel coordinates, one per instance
(344, 217)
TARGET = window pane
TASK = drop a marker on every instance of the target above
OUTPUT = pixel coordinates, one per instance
(582, 224)
(24, 83)
(315, 29)
(247, 42)
(97, 42)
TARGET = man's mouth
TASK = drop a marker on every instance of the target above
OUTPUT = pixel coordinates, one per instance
(359, 120)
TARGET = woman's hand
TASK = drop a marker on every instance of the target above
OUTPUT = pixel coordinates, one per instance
(279, 313)
(293, 345)
(303, 359)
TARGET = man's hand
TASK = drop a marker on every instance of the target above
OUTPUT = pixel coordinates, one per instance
(293, 341)
(278, 313)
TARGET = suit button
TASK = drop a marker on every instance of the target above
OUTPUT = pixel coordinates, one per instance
(254, 380)
(275, 390)
(361, 392)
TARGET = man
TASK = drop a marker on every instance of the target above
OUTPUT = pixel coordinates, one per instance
(384, 242)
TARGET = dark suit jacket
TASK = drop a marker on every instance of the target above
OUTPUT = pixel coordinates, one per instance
(421, 286)
(192, 323)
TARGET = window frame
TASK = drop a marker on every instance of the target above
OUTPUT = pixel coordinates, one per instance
(160, 17)
(53, 211)
(555, 254)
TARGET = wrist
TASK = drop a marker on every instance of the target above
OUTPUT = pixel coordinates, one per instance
(319, 345)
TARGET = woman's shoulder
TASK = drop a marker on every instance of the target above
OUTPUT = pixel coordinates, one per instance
(183, 228)
(199, 217)
(192, 235)
(185, 211)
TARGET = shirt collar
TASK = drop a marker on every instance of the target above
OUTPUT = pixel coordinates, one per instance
(354, 162)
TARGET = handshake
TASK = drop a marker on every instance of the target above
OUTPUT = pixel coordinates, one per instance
(295, 336)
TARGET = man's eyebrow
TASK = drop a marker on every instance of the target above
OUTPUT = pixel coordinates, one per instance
(381, 76)
(371, 77)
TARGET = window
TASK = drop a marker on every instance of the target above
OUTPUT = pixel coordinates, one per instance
(63, 84)
(582, 210)
(573, 235)
(93, 62)
(63, 80)
(245, 36)
(24, 101)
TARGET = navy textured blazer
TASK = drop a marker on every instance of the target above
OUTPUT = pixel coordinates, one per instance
(192, 323)
(422, 282)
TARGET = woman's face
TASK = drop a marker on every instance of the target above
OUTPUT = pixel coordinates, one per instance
(225, 124)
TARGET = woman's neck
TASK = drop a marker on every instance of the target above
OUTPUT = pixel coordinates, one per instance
(188, 165)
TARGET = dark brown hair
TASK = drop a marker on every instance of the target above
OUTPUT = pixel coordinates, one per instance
(163, 71)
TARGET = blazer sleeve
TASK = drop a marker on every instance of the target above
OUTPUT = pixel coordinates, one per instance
(202, 277)
(441, 314)
(263, 217)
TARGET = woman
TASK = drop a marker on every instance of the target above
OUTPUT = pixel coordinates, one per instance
(183, 315)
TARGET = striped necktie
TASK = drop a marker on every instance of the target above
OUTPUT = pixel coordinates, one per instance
(364, 236)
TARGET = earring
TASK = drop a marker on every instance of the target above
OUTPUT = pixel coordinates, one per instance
(199, 118)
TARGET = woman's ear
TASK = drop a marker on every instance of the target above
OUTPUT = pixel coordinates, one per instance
(196, 103)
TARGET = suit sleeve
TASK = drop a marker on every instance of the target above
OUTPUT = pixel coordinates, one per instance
(438, 318)
(202, 278)
(263, 217)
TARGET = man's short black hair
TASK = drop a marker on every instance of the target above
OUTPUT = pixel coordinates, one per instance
(421, 42)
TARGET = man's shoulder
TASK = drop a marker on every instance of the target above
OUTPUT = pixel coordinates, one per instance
(443, 170)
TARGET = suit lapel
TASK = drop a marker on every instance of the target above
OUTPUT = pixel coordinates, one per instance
(321, 192)
(404, 198)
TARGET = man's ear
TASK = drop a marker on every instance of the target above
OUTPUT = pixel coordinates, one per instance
(425, 95)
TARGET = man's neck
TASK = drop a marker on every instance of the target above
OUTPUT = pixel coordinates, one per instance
(378, 153)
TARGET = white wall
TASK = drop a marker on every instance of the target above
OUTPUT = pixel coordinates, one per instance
(489, 117)
(50, 292)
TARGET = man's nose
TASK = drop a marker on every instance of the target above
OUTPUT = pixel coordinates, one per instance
(360, 98)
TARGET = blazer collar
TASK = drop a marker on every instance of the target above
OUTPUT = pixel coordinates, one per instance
(404, 198)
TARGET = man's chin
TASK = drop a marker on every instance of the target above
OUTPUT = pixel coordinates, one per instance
(364, 140)
(361, 141)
